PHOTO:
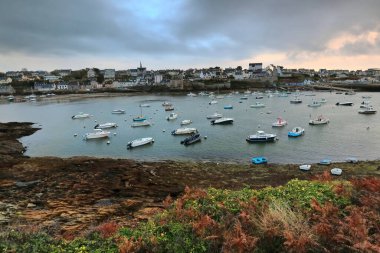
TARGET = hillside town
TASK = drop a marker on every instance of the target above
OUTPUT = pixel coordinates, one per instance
(255, 76)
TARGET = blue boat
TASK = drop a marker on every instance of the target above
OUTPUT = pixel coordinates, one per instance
(228, 107)
(139, 118)
(259, 160)
(325, 162)
(296, 132)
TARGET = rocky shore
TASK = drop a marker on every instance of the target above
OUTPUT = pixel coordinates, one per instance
(71, 195)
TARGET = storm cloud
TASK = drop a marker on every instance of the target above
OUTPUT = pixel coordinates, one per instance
(186, 32)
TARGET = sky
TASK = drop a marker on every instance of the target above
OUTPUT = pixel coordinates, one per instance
(182, 34)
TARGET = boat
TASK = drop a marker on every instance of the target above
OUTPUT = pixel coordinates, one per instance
(219, 97)
(144, 123)
(367, 110)
(336, 171)
(81, 115)
(186, 130)
(351, 92)
(305, 167)
(310, 94)
(222, 121)
(282, 95)
(10, 98)
(296, 100)
(257, 105)
(259, 97)
(320, 120)
(118, 111)
(166, 103)
(325, 162)
(228, 107)
(366, 97)
(259, 160)
(338, 92)
(139, 118)
(145, 105)
(261, 136)
(314, 104)
(244, 98)
(105, 125)
(213, 102)
(172, 116)
(191, 94)
(191, 139)
(296, 132)
(98, 133)
(215, 116)
(365, 104)
(140, 142)
(345, 103)
(279, 123)
(352, 160)
(186, 122)
(322, 101)
(169, 108)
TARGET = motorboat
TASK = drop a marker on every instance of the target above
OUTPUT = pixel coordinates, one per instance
(296, 100)
(282, 95)
(10, 98)
(191, 139)
(259, 97)
(186, 130)
(98, 133)
(105, 125)
(244, 98)
(345, 103)
(367, 110)
(296, 132)
(215, 116)
(186, 122)
(81, 115)
(144, 123)
(261, 136)
(166, 103)
(336, 171)
(228, 107)
(366, 97)
(310, 94)
(222, 121)
(219, 97)
(118, 111)
(315, 104)
(305, 167)
(320, 120)
(257, 105)
(145, 105)
(351, 92)
(140, 142)
(169, 108)
(279, 123)
(172, 116)
(212, 102)
(259, 160)
(191, 94)
(247, 92)
(352, 160)
(365, 104)
(325, 162)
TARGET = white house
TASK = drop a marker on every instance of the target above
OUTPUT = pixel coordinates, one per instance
(62, 86)
(158, 78)
(44, 86)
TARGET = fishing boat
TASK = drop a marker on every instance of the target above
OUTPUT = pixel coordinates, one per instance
(144, 123)
(140, 142)
(98, 133)
(367, 110)
(81, 115)
(186, 122)
(305, 167)
(336, 171)
(191, 139)
(215, 116)
(172, 116)
(261, 136)
(259, 160)
(296, 132)
(325, 162)
(279, 123)
(118, 111)
(257, 105)
(228, 107)
(186, 130)
(105, 125)
(320, 120)
(314, 104)
(344, 103)
(222, 121)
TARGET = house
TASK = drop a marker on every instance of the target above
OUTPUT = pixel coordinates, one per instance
(255, 67)
(62, 86)
(44, 86)
(109, 74)
(6, 89)
(158, 78)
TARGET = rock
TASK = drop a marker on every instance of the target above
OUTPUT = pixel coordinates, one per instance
(25, 184)
(103, 202)
(131, 204)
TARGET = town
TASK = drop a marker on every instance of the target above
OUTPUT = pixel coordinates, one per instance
(140, 79)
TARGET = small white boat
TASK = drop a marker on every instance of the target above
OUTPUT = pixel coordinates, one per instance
(81, 115)
(212, 102)
(105, 125)
(314, 104)
(172, 116)
(320, 120)
(191, 94)
(144, 123)
(98, 133)
(186, 130)
(279, 123)
(336, 171)
(222, 121)
(10, 98)
(296, 100)
(261, 136)
(305, 167)
(367, 110)
(351, 92)
(140, 142)
(169, 108)
(219, 97)
(145, 105)
(186, 122)
(257, 105)
(215, 116)
(166, 103)
(118, 111)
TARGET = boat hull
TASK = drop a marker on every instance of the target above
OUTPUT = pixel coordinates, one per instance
(140, 142)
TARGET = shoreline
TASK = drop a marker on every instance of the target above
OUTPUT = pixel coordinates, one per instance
(73, 194)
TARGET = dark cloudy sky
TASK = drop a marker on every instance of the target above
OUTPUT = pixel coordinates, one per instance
(49, 34)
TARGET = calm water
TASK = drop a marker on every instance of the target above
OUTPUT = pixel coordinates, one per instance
(346, 135)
